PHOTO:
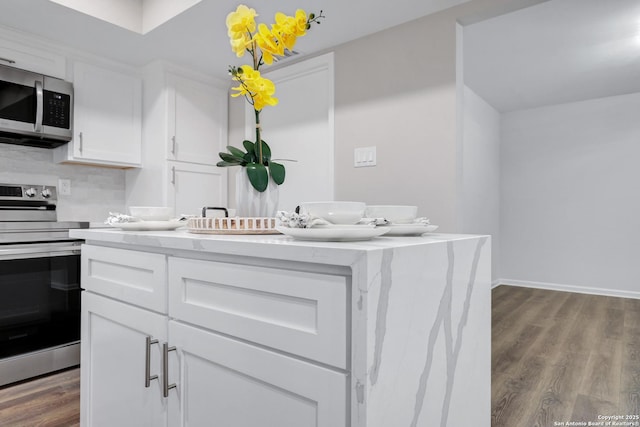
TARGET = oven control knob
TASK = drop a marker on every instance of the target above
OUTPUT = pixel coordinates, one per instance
(31, 192)
(46, 193)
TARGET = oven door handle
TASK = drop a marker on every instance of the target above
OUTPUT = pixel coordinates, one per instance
(39, 251)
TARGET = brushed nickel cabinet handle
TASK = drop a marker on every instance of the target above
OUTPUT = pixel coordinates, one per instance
(173, 175)
(173, 145)
(147, 363)
(165, 369)
(80, 138)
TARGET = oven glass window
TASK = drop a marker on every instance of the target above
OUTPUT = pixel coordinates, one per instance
(39, 303)
(17, 102)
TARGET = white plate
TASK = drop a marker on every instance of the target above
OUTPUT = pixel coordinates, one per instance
(342, 233)
(409, 229)
(150, 225)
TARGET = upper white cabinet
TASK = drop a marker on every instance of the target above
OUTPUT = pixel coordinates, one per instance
(184, 128)
(193, 186)
(197, 120)
(107, 118)
(30, 58)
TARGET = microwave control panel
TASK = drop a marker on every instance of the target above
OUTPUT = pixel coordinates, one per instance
(57, 109)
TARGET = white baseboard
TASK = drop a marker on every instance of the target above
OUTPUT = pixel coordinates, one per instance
(568, 288)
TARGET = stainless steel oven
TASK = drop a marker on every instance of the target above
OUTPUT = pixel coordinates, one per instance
(39, 285)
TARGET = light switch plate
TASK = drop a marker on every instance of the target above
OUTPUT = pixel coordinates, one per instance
(364, 157)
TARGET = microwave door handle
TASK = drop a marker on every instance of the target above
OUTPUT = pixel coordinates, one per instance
(39, 106)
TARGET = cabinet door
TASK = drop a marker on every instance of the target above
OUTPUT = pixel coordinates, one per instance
(193, 186)
(113, 355)
(234, 384)
(107, 117)
(197, 121)
(32, 59)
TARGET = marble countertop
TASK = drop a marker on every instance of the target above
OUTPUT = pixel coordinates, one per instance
(272, 246)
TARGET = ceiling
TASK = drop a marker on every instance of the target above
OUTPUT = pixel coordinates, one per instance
(555, 52)
(197, 38)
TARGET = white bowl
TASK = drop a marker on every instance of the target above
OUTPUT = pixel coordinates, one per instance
(152, 213)
(396, 214)
(335, 212)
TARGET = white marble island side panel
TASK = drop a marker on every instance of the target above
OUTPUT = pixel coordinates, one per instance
(420, 315)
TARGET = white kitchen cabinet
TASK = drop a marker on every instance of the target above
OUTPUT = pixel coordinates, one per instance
(193, 186)
(107, 128)
(219, 379)
(114, 353)
(27, 57)
(184, 128)
(197, 120)
(226, 382)
(299, 312)
(138, 278)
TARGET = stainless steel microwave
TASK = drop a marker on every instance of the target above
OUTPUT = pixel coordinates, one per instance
(35, 110)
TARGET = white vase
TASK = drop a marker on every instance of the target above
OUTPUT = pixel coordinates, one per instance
(252, 203)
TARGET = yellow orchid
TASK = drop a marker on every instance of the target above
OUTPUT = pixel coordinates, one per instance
(267, 41)
(264, 45)
(240, 25)
(258, 90)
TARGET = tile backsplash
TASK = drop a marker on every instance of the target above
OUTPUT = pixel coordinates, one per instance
(95, 191)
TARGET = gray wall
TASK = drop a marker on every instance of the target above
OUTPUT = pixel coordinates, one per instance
(95, 191)
(400, 96)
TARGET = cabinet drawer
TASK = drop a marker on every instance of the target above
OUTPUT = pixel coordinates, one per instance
(297, 312)
(138, 278)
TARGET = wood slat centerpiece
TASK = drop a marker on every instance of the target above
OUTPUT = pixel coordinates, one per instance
(233, 225)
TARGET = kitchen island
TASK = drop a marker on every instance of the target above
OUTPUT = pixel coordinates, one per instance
(243, 331)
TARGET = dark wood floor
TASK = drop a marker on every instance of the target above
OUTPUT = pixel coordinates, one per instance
(559, 357)
(50, 401)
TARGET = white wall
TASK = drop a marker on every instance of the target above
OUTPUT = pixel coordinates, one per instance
(570, 204)
(480, 181)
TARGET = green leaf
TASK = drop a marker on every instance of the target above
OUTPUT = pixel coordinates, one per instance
(266, 152)
(224, 164)
(230, 158)
(248, 145)
(249, 158)
(236, 152)
(258, 176)
(277, 172)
